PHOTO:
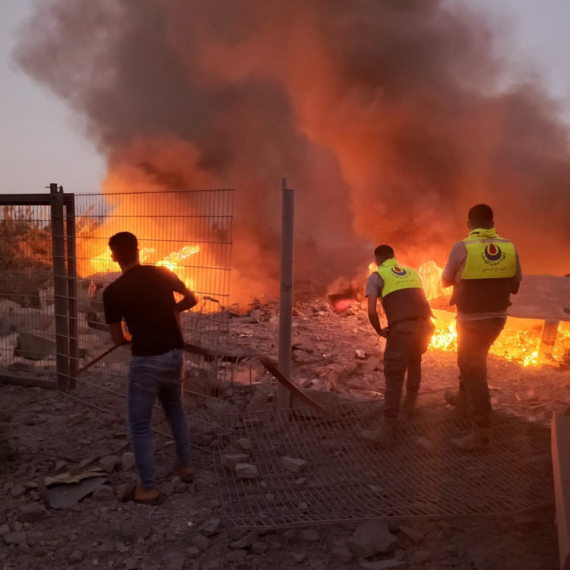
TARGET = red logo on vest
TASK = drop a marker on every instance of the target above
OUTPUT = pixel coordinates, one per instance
(399, 271)
(493, 252)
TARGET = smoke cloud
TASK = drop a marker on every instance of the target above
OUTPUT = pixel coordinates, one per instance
(390, 118)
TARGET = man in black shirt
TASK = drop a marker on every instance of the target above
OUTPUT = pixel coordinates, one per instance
(143, 297)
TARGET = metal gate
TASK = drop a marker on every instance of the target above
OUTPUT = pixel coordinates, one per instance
(55, 264)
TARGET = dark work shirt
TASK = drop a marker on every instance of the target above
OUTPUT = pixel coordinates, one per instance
(143, 297)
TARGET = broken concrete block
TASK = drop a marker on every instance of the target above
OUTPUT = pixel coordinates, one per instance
(246, 471)
(246, 541)
(293, 464)
(421, 557)
(201, 542)
(413, 534)
(104, 493)
(16, 538)
(371, 538)
(211, 528)
(109, 463)
(259, 547)
(310, 535)
(128, 461)
(35, 346)
(33, 512)
(230, 461)
(17, 491)
(342, 554)
(244, 443)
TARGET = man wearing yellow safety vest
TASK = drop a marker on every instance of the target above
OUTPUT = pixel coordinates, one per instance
(408, 334)
(484, 270)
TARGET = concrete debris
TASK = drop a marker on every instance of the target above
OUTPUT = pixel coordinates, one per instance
(244, 443)
(174, 560)
(76, 556)
(236, 556)
(293, 464)
(192, 552)
(109, 463)
(299, 557)
(4, 529)
(15, 537)
(35, 346)
(201, 542)
(128, 461)
(413, 534)
(310, 535)
(246, 471)
(104, 493)
(383, 565)
(33, 512)
(211, 528)
(259, 547)
(230, 461)
(303, 507)
(360, 354)
(371, 538)
(17, 491)
(300, 481)
(246, 541)
(342, 554)
(421, 557)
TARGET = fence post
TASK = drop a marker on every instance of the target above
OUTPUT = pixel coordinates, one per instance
(286, 294)
(60, 287)
(72, 288)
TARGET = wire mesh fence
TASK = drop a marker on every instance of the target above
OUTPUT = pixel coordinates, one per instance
(340, 478)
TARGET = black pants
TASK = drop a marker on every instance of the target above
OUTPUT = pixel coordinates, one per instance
(406, 343)
(474, 339)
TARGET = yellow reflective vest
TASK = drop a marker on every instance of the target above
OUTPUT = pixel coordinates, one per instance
(396, 277)
(489, 256)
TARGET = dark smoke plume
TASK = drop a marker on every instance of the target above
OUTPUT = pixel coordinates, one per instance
(388, 116)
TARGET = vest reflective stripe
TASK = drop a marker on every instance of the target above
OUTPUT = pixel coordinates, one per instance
(396, 277)
(489, 259)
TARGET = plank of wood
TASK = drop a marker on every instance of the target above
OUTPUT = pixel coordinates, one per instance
(560, 438)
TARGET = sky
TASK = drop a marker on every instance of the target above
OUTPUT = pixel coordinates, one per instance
(41, 141)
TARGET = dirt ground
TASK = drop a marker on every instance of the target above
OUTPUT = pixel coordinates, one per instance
(52, 433)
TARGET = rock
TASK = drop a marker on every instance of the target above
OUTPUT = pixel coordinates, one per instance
(400, 554)
(413, 534)
(33, 512)
(237, 556)
(424, 442)
(299, 557)
(371, 538)
(202, 542)
(35, 346)
(104, 493)
(259, 547)
(246, 541)
(15, 537)
(359, 354)
(244, 443)
(342, 554)
(211, 528)
(133, 531)
(300, 481)
(421, 557)
(17, 491)
(231, 461)
(303, 507)
(4, 529)
(310, 535)
(246, 471)
(383, 565)
(76, 556)
(212, 565)
(192, 552)
(109, 463)
(174, 560)
(293, 464)
(128, 461)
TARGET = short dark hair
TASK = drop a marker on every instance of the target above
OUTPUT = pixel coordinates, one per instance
(384, 251)
(124, 245)
(481, 214)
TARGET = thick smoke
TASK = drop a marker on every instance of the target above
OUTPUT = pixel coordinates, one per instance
(387, 116)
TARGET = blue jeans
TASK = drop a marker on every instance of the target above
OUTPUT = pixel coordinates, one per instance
(151, 376)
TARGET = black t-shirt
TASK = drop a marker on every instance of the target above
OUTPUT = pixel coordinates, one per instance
(143, 297)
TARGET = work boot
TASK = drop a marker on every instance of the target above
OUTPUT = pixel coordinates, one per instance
(410, 404)
(478, 440)
(384, 435)
(458, 400)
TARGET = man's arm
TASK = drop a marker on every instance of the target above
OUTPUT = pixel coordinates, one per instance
(516, 284)
(188, 298)
(373, 315)
(456, 256)
(118, 334)
(114, 319)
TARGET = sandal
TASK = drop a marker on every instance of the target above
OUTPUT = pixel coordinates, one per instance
(129, 495)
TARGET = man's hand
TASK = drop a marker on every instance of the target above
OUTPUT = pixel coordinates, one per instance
(118, 334)
(384, 332)
(373, 315)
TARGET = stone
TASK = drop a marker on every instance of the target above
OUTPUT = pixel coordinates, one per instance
(109, 463)
(303, 507)
(213, 565)
(383, 565)
(128, 461)
(259, 547)
(35, 346)
(246, 471)
(342, 554)
(300, 481)
(413, 534)
(244, 443)
(400, 554)
(193, 552)
(310, 535)
(211, 528)
(174, 560)
(246, 541)
(15, 537)
(232, 460)
(359, 354)
(33, 512)
(4, 529)
(131, 532)
(293, 464)
(76, 556)
(371, 538)
(421, 557)
(237, 556)
(17, 491)
(202, 542)
(299, 557)
(104, 493)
